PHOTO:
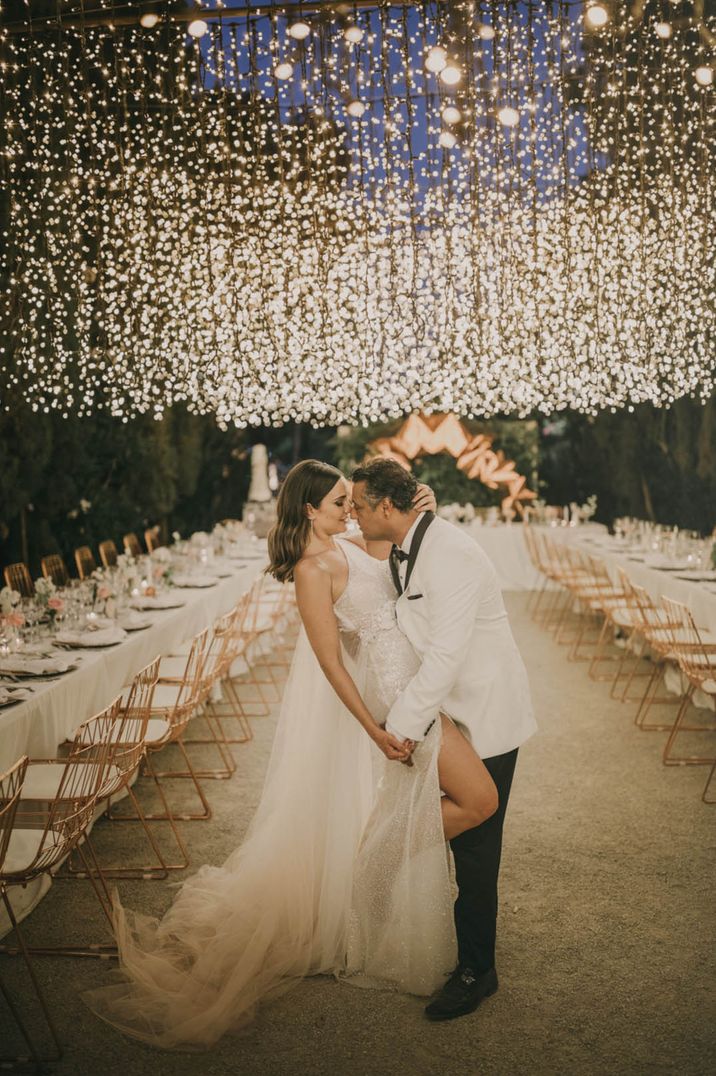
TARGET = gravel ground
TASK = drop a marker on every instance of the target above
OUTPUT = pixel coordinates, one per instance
(606, 935)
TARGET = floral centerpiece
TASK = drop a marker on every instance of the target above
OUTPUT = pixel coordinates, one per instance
(162, 565)
(10, 615)
(104, 591)
(457, 513)
(48, 598)
(581, 513)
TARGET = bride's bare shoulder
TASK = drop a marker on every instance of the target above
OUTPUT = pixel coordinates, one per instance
(316, 570)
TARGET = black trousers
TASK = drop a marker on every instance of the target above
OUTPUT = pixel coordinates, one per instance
(477, 864)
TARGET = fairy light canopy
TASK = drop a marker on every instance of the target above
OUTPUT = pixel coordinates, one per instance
(343, 212)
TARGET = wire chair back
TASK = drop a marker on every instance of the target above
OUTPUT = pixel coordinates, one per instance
(86, 564)
(153, 538)
(108, 553)
(690, 649)
(131, 545)
(17, 577)
(54, 568)
(11, 784)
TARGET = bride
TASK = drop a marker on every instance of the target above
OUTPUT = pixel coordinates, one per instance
(344, 869)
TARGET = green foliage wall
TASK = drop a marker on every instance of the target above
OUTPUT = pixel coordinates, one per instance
(72, 482)
(652, 463)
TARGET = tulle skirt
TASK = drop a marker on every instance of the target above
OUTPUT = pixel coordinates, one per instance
(331, 878)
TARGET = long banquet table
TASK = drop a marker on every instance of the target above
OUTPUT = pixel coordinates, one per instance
(698, 595)
(37, 726)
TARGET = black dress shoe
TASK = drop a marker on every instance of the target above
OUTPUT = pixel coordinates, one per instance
(462, 993)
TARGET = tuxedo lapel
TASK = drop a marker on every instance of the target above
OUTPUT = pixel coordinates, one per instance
(393, 561)
(417, 541)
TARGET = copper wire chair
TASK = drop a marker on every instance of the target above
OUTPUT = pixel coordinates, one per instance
(131, 545)
(108, 553)
(153, 538)
(54, 568)
(696, 655)
(658, 630)
(171, 671)
(172, 707)
(127, 734)
(17, 577)
(11, 857)
(54, 810)
(86, 564)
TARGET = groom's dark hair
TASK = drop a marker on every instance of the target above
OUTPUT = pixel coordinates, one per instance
(386, 478)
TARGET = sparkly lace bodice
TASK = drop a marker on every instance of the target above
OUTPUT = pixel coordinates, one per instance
(369, 629)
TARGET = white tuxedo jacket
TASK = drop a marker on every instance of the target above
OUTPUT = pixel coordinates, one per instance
(453, 614)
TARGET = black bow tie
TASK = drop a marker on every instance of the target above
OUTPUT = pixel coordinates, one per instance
(399, 554)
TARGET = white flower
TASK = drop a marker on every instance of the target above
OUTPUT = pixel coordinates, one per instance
(85, 505)
(161, 555)
(44, 589)
(176, 536)
(8, 599)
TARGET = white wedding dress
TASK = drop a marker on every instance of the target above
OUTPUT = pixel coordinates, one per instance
(344, 869)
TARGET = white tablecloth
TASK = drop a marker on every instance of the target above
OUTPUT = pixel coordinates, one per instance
(700, 597)
(505, 546)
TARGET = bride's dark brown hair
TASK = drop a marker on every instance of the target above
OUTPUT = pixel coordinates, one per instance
(306, 483)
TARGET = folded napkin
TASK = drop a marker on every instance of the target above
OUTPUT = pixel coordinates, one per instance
(158, 601)
(9, 696)
(51, 666)
(195, 580)
(87, 638)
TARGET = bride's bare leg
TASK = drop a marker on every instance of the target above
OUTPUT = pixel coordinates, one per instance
(470, 795)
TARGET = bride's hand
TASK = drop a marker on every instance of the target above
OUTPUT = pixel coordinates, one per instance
(394, 749)
(424, 500)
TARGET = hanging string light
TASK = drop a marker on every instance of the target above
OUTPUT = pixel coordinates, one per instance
(298, 216)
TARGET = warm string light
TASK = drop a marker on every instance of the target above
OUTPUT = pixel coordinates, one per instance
(287, 219)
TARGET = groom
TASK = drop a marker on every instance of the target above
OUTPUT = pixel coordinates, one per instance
(450, 607)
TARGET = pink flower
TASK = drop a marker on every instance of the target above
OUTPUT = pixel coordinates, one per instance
(56, 603)
(13, 620)
(104, 592)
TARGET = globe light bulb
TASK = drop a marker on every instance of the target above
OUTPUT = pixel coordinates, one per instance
(355, 109)
(450, 75)
(704, 75)
(485, 32)
(597, 16)
(447, 139)
(299, 31)
(354, 34)
(148, 20)
(451, 114)
(663, 30)
(436, 59)
(283, 70)
(508, 117)
(197, 28)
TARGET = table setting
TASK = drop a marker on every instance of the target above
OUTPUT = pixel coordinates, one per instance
(67, 652)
